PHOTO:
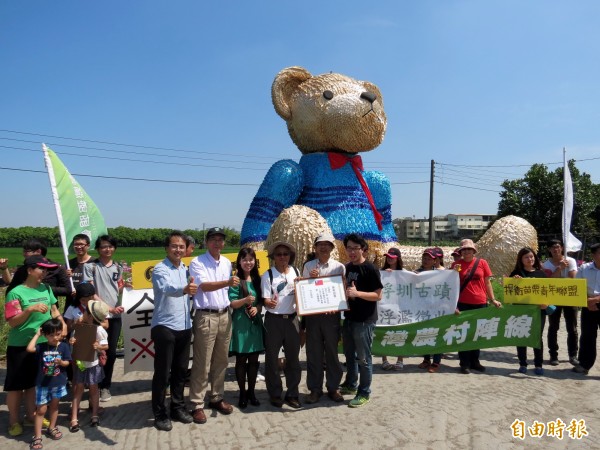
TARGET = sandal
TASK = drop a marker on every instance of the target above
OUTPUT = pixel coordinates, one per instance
(95, 421)
(36, 443)
(398, 366)
(386, 365)
(74, 428)
(54, 434)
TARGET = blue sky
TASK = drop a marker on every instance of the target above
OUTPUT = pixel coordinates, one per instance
(484, 88)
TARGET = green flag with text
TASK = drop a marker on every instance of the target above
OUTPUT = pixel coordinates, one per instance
(76, 211)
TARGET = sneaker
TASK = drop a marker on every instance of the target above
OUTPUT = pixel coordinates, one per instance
(386, 365)
(15, 429)
(260, 377)
(345, 390)
(398, 366)
(538, 371)
(579, 369)
(554, 362)
(574, 361)
(358, 401)
(105, 395)
(522, 369)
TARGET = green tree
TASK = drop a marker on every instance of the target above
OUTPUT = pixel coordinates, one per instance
(538, 198)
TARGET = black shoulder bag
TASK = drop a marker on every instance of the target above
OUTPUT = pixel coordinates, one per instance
(470, 276)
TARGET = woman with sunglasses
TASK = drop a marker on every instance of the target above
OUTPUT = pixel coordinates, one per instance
(281, 324)
(27, 307)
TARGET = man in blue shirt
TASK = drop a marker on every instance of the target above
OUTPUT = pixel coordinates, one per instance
(171, 332)
(590, 316)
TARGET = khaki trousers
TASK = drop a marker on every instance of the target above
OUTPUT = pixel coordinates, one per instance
(212, 333)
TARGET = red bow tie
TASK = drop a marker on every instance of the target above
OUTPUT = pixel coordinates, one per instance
(338, 160)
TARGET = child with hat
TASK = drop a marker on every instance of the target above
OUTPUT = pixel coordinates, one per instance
(89, 373)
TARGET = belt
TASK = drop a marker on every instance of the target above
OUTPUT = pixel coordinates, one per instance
(282, 316)
(214, 311)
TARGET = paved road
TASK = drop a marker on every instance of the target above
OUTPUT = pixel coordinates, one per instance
(409, 409)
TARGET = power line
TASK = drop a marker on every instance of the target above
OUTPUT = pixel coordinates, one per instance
(154, 180)
(468, 187)
(499, 166)
(50, 144)
(409, 182)
(480, 181)
(141, 160)
(486, 173)
(127, 145)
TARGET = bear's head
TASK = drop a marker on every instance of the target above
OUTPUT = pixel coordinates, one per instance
(329, 112)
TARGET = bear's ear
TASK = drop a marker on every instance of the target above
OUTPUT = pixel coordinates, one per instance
(285, 84)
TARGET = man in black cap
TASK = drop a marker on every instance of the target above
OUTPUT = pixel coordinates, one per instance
(212, 325)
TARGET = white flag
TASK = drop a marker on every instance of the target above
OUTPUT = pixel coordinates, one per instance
(572, 244)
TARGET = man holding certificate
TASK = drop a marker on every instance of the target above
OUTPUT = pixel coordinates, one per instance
(323, 330)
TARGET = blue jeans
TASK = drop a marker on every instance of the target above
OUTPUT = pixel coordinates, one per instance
(357, 338)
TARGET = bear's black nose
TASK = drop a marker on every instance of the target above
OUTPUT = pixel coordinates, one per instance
(368, 96)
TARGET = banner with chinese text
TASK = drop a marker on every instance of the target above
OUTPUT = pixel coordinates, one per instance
(141, 271)
(475, 329)
(409, 297)
(138, 346)
(546, 291)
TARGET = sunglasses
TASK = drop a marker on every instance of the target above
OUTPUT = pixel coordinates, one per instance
(282, 254)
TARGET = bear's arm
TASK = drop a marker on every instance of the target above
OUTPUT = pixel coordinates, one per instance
(280, 189)
(381, 191)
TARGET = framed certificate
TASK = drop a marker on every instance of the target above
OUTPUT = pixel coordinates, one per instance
(321, 294)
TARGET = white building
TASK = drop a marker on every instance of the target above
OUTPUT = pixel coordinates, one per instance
(452, 226)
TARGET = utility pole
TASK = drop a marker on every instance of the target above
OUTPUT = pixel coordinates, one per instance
(431, 203)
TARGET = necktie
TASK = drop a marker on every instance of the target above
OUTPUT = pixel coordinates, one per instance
(338, 160)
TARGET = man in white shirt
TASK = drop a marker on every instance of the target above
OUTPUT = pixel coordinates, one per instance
(212, 325)
(560, 266)
(323, 330)
(281, 325)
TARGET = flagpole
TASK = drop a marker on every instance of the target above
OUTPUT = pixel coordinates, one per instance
(59, 216)
(565, 231)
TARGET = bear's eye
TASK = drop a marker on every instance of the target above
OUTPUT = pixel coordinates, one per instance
(328, 95)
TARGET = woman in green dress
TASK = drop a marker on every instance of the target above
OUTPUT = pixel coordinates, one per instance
(247, 327)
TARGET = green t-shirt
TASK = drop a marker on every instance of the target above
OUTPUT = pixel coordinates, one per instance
(21, 335)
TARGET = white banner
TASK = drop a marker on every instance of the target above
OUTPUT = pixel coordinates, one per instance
(409, 297)
(137, 318)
